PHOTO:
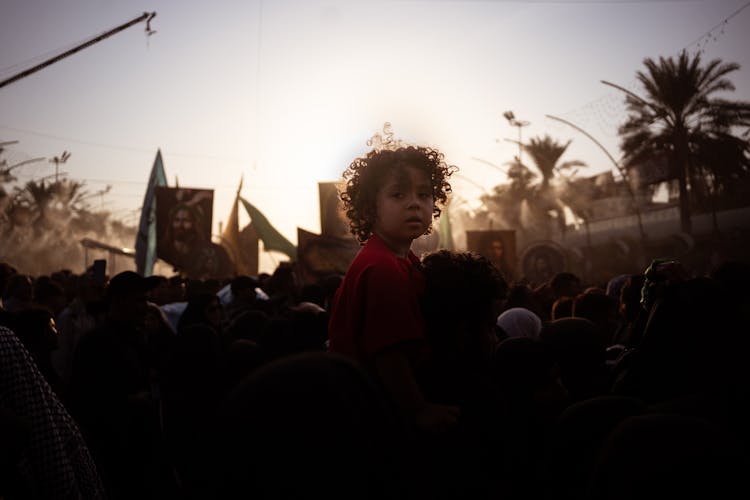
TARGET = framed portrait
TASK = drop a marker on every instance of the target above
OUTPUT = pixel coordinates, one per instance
(183, 223)
(541, 261)
(499, 246)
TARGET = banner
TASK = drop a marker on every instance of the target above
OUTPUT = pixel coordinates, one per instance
(541, 261)
(499, 246)
(183, 226)
(321, 256)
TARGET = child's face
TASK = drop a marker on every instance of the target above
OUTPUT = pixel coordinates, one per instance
(403, 206)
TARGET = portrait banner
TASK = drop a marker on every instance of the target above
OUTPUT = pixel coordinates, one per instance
(499, 246)
(183, 226)
(541, 261)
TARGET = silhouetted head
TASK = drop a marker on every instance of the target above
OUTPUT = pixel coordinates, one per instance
(630, 297)
(460, 293)
(562, 308)
(242, 285)
(667, 456)
(6, 271)
(521, 295)
(578, 348)
(125, 295)
(202, 309)
(312, 425)
(20, 287)
(600, 309)
(247, 325)
(36, 328)
(565, 284)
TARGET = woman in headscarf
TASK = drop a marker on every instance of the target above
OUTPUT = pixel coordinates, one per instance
(518, 322)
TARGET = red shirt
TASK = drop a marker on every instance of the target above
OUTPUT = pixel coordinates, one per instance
(377, 304)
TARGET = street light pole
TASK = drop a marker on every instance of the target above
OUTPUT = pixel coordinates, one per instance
(57, 160)
(623, 172)
(508, 115)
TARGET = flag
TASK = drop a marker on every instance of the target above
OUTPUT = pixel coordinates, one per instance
(249, 246)
(444, 231)
(271, 238)
(230, 237)
(243, 254)
(145, 240)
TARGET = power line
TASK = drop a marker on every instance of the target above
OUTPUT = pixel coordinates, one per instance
(76, 141)
(721, 24)
(596, 104)
(222, 187)
(41, 57)
(119, 147)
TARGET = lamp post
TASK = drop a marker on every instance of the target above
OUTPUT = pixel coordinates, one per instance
(623, 173)
(57, 160)
(508, 115)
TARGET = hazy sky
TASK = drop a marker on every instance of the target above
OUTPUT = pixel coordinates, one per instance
(287, 92)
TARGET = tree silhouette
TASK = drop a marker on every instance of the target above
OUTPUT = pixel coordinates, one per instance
(42, 221)
(680, 118)
(545, 152)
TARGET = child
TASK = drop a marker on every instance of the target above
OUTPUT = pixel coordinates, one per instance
(391, 197)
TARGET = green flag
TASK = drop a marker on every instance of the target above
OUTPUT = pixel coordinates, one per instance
(271, 238)
(445, 233)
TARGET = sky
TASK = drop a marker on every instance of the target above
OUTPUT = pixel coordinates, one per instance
(286, 93)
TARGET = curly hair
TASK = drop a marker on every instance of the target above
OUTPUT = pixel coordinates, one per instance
(460, 287)
(366, 175)
(460, 281)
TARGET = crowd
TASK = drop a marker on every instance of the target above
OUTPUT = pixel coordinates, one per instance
(162, 388)
(409, 377)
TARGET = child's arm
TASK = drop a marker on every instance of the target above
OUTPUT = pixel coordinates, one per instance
(394, 370)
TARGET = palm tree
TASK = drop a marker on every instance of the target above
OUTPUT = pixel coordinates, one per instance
(52, 202)
(679, 117)
(545, 152)
(37, 197)
(503, 204)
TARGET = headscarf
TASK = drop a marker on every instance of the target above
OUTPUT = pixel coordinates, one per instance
(55, 462)
(520, 322)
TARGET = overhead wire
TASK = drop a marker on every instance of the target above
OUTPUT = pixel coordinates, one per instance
(595, 106)
(34, 60)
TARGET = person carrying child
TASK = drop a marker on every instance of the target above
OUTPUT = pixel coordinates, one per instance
(391, 197)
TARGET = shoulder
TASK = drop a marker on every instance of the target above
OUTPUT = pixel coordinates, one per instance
(376, 262)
